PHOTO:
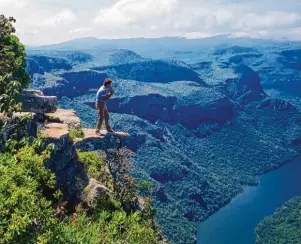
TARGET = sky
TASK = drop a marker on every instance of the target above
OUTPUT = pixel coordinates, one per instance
(42, 22)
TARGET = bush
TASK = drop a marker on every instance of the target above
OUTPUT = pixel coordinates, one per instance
(76, 133)
(97, 168)
(107, 227)
(25, 213)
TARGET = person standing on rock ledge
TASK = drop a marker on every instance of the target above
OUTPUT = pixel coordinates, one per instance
(104, 93)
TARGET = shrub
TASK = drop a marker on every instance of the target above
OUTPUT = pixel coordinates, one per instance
(108, 227)
(76, 133)
(97, 167)
(25, 212)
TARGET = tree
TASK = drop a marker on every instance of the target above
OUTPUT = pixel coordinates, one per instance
(13, 76)
(120, 164)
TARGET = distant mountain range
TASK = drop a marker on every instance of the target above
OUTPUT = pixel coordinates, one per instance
(206, 116)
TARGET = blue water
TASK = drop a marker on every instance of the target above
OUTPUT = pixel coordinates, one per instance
(236, 222)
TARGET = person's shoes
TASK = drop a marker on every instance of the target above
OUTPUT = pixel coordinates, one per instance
(98, 133)
(110, 130)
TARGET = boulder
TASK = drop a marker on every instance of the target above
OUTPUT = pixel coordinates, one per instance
(35, 101)
(93, 190)
(61, 158)
(140, 204)
(32, 128)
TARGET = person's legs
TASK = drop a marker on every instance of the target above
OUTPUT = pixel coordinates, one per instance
(106, 117)
(100, 109)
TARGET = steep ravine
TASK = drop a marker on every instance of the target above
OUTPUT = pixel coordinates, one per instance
(199, 145)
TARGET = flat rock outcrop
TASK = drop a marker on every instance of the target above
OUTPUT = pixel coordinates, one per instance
(35, 101)
(92, 141)
(65, 116)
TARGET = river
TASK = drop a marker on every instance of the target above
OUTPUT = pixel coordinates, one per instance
(236, 222)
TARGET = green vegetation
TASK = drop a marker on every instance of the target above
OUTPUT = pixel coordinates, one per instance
(23, 206)
(30, 206)
(283, 227)
(13, 77)
(97, 167)
(76, 133)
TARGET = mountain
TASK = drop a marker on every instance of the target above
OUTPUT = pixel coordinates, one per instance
(205, 117)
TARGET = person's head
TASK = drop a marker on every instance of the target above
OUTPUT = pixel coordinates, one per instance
(107, 83)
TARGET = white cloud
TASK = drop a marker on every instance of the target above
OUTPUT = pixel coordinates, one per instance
(52, 21)
(224, 17)
(196, 35)
(79, 30)
(292, 34)
(66, 16)
(133, 12)
(272, 20)
(11, 3)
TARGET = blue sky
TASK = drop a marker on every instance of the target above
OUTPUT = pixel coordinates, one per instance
(41, 22)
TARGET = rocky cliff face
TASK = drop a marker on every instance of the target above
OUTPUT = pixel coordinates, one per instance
(155, 107)
(42, 64)
(152, 71)
(34, 101)
(246, 87)
(55, 125)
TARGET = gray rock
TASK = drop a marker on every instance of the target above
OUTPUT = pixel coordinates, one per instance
(65, 116)
(56, 133)
(93, 190)
(61, 158)
(35, 101)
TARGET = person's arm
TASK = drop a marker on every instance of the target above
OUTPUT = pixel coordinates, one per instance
(108, 96)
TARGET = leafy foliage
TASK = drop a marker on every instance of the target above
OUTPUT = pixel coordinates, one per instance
(97, 167)
(119, 164)
(13, 77)
(25, 213)
(76, 133)
(145, 187)
(26, 207)
(106, 227)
